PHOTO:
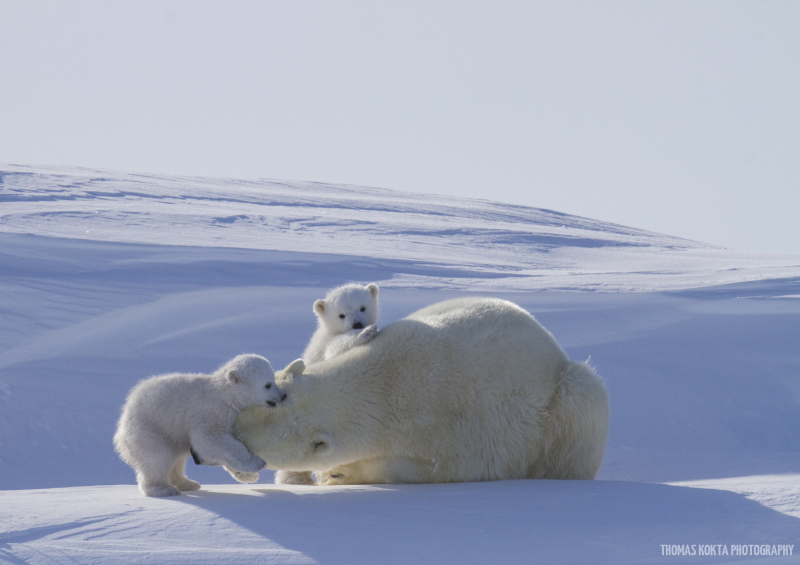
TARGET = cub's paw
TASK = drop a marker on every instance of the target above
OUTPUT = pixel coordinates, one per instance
(252, 465)
(160, 490)
(294, 478)
(368, 334)
(188, 484)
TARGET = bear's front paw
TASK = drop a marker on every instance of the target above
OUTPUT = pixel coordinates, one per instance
(245, 478)
(368, 334)
(294, 478)
(330, 478)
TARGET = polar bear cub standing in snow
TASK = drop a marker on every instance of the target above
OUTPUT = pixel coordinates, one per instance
(345, 318)
(165, 418)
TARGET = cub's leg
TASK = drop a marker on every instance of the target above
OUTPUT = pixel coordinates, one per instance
(368, 334)
(153, 469)
(228, 451)
(178, 478)
(347, 341)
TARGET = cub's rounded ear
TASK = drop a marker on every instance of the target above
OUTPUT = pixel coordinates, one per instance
(232, 377)
(319, 307)
(373, 289)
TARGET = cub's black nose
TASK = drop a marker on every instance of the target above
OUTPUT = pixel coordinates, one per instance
(358, 326)
(283, 397)
(270, 402)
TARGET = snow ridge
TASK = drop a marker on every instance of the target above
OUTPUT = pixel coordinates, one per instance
(520, 248)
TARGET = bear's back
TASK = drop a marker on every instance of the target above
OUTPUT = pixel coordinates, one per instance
(496, 339)
(468, 379)
(468, 356)
(167, 402)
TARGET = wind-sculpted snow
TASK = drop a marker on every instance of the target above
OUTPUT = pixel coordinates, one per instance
(521, 248)
(508, 522)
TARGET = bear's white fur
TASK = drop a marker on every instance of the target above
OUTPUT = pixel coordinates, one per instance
(470, 389)
(345, 318)
(166, 417)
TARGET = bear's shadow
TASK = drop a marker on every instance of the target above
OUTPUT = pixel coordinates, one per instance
(560, 521)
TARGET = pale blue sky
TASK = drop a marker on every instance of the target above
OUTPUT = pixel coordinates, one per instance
(678, 117)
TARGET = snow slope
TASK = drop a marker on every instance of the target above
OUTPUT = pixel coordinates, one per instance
(465, 241)
(106, 278)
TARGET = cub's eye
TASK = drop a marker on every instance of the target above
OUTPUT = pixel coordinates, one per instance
(363, 308)
(269, 385)
(341, 316)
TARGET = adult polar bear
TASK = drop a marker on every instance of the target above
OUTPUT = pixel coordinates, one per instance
(471, 389)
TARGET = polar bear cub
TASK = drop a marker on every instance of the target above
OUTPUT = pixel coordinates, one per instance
(165, 418)
(345, 318)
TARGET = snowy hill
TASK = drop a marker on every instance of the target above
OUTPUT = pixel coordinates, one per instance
(432, 241)
(106, 278)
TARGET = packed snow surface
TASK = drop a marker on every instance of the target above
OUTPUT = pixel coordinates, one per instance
(107, 278)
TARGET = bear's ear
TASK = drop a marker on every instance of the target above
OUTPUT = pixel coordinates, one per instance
(287, 375)
(373, 289)
(232, 377)
(319, 307)
(322, 444)
(296, 367)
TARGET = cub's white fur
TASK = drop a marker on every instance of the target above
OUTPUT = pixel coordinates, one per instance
(470, 389)
(345, 318)
(166, 416)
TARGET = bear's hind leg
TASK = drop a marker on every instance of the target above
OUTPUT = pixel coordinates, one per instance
(153, 472)
(578, 431)
(158, 490)
(178, 478)
(150, 485)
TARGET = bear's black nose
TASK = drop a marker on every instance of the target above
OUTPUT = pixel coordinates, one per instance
(358, 326)
(271, 403)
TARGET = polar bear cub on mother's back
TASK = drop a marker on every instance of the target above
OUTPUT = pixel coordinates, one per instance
(165, 418)
(345, 318)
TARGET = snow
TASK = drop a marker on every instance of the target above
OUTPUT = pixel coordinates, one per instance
(107, 277)
(451, 243)
(496, 522)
